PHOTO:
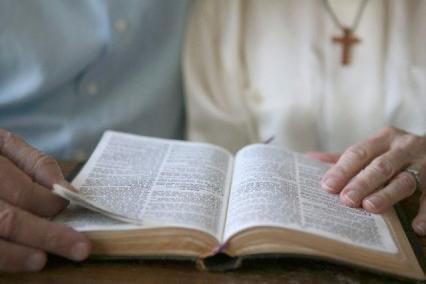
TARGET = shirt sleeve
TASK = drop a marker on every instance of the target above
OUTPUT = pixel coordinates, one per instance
(215, 77)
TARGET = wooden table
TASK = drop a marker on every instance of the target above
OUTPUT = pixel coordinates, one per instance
(289, 270)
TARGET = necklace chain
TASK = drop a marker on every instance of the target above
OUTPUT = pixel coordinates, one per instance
(336, 20)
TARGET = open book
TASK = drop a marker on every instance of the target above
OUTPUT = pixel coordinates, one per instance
(153, 197)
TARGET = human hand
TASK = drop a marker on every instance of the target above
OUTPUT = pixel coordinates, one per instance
(372, 174)
(26, 176)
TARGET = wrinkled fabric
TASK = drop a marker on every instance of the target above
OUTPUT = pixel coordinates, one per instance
(71, 69)
(261, 69)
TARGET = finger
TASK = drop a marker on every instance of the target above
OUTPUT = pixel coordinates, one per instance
(419, 222)
(41, 167)
(402, 186)
(351, 162)
(375, 175)
(326, 157)
(17, 258)
(18, 189)
(26, 229)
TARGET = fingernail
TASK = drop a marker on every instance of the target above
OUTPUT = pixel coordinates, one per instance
(421, 228)
(373, 202)
(35, 262)
(80, 251)
(330, 184)
(351, 197)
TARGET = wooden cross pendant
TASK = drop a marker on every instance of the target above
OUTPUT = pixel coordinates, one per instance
(347, 40)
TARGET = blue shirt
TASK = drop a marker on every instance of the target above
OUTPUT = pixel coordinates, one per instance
(71, 69)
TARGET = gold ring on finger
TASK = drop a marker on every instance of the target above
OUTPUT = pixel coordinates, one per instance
(416, 176)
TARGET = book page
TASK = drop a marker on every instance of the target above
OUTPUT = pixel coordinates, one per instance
(273, 187)
(170, 183)
(84, 220)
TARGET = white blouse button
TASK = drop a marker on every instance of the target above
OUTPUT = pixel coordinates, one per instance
(257, 98)
(92, 89)
(120, 25)
(80, 155)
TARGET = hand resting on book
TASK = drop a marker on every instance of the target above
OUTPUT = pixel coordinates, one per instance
(372, 174)
(26, 235)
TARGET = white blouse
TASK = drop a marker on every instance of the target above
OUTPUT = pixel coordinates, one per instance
(260, 69)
